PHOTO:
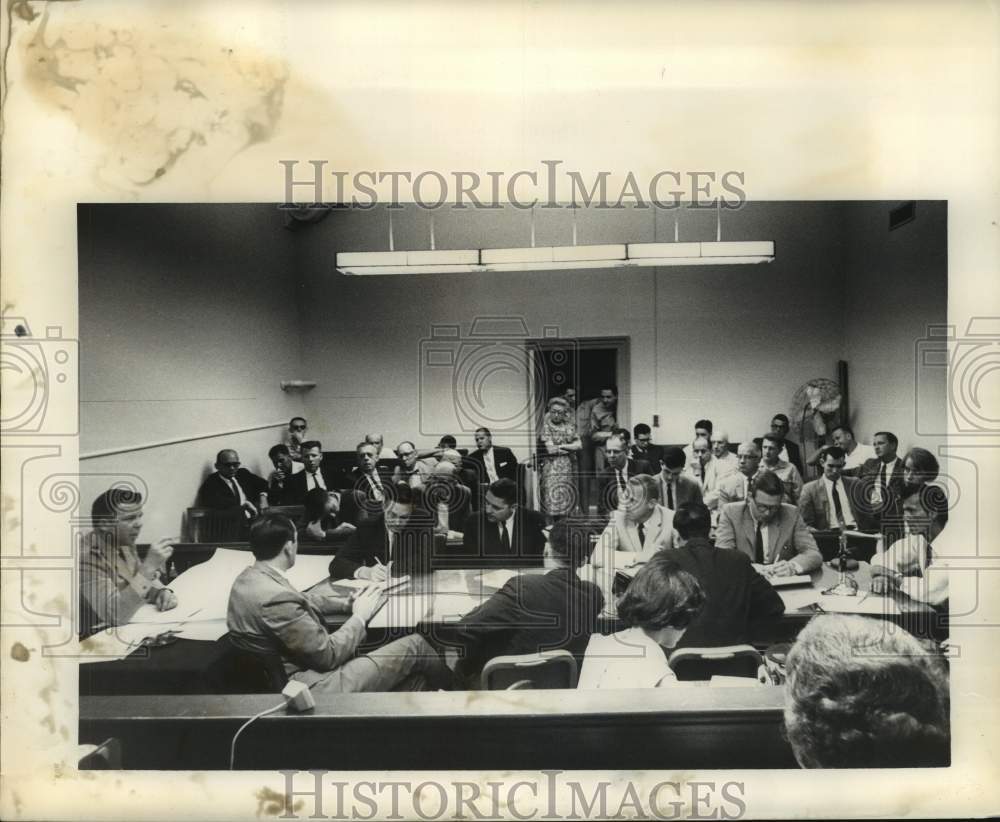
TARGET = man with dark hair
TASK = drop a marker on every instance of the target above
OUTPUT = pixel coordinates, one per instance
(882, 482)
(702, 430)
(643, 448)
(769, 531)
(534, 612)
(675, 487)
(504, 530)
(411, 469)
(832, 500)
(620, 467)
(770, 446)
(789, 451)
(114, 582)
(284, 468)
(314, 475)
(232, 488)
(735, 593)
(294, 437)
(492, 462)
(855, 453)
(267, 615)
(603, 421)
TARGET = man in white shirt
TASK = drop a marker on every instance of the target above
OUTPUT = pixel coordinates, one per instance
(736, 487)
(855, 453)
(831, 500)
(492, 462)
(702, 430)
(708, 470)
(770, 446)
(411, 470)
(641, 527)
(726, 461)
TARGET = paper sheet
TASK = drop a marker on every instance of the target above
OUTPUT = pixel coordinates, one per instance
(402, 611)
(206, 630)
(497, 578)
(453, 606)
(307, 571)
(861, 604)
(795, 598)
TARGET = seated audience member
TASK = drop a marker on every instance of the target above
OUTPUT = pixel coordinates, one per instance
(267, 615)
(314, 475)
(411, 469)
(232, 488)
(403, 535)
(368, 483)
(735, 487)
(726, 461)
(641, 527)
(855, 453)
(534, 612)
(295, 436)
(284, 469)
(447, 499)
(658, 606)
(734, 592)
(832, 500)
(768, 531)
(908, 565)
(789, 451)
(492, 462)
(675, 487)
(384, 454)
(770, 447)
(643, 448)
(504, 529)
(612, 481)
(708, 471)
(321, 522)
(702, 431)
(882, 482)
(467, 476)
(114, 582)
(859, 696)
(432, 456)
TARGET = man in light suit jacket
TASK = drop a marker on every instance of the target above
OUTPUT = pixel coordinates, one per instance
(770, 532)
(504, 532)
(736, 486)
(232, 488)
(833, 499)
(492, 462)
(676, 488)
(640, 529)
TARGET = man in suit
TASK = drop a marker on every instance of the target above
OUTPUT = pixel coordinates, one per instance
(789, 451)
(492, 462)
(770, 447)
(403, 535)
(232, 488)
(855, 453)
(267, 616)
(641, 527)
(284, 468)
(603, 421)
(612, 481)
(675, 488)
(368, 479)
(734, 592)
(504, 531)
(769, 531)
(447, 499)
(314, 475)
(532, 612)
(411, 469)
(882, 482)
(833, 499)
(702, 430)
(709, 471)
(737, 486)
(643, 449)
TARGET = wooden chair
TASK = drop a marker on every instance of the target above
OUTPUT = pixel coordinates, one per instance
(237, 671)
(209, 525)
(704, 663)
(545, 670)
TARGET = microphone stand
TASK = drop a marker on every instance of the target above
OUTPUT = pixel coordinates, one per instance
(847, 585)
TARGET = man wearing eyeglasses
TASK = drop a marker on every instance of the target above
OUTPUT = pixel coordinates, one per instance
(295, 436)
(232, 487)
(411, 469)
(769, 531)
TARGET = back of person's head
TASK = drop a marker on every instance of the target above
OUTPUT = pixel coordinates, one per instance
(569, 543)
(769, 483)
(279, 450)
(314, 503)
(662, 595)
(269, 533)
(505, 489)
(703, 425)
(863, 695)
(693, 519)
(673, 457)
(623, 434)
(447, 441)
(113, 503)
(833, 452)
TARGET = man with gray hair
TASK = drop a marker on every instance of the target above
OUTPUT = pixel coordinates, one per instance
(735, 487)
(382, 452)
(641, 526)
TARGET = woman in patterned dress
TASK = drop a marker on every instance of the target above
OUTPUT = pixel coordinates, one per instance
(559, 495)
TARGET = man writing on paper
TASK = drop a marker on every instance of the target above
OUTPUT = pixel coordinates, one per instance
(639, 530)
(267, 615)
(114, 582)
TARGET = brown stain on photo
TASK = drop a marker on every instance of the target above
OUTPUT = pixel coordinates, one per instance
(272, 803)
(19, 653)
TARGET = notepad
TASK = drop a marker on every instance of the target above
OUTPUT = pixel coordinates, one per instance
(871, 605)
(785, 582)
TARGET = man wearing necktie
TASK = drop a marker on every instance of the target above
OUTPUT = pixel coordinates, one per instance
(233, 488)
(637, 530)
(314, 475)
(882, 485)
(833, 500)
(504, 530)
(676, 488)
(736, 487)
(620, 468)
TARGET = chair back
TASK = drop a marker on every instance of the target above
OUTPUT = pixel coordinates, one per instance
(704, 663)
(209, 525)
(544, 670)
(238, 671)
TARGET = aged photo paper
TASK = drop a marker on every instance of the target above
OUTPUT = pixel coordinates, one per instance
(173, 284)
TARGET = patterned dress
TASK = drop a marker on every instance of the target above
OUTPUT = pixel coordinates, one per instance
(559, 488)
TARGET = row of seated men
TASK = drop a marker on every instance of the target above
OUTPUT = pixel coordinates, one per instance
(691, 594)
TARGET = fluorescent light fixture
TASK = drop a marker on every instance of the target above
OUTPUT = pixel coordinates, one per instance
(554, 258)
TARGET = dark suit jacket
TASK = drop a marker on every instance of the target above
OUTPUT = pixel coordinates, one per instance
(890, 512)
(653, 454)
(531, 613)
(458, 498)
(607, 482)
(734, 594)
(411, 554)
(295, 486)
(481, 538)
(503, 459)
(216, 493)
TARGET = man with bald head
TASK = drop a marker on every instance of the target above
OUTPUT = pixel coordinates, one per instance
(735, 487)
(233, 488)
(707, 470)
(379, 442)
(447, 499)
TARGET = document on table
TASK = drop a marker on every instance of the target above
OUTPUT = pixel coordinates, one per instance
(402, 611)
(307, 571)
(870, 604)
(498, 578)
(454, 606)
(795, 598)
